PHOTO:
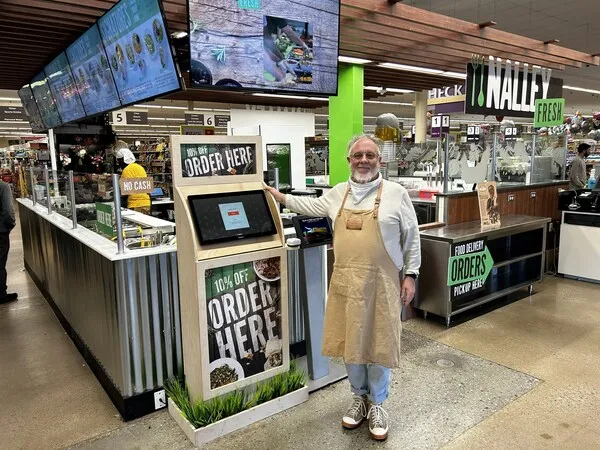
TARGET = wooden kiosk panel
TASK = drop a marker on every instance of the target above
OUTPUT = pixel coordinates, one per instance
(233, 294)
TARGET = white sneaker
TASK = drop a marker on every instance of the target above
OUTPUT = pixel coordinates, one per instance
(356, 414)
(378, 422)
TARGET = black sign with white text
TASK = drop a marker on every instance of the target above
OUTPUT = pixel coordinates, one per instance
(12, 114)
(205, 160)
(505, 88)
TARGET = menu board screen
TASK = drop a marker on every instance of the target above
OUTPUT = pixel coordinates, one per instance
(92, 74)
(45, 101)
(62, 85)
(138, 49)
(31, 109)
(274, 45)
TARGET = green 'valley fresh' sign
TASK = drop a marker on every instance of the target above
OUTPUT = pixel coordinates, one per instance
(469, 267)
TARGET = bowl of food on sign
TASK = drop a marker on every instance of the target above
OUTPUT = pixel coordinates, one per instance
(224, 371)
(268, 269)
(273, 353)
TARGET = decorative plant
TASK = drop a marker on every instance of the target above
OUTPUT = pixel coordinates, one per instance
(203, 413)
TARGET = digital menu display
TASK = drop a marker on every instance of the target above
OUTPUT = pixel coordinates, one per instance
(277, 45)
(91, 71)
(31, 109)
(139, 53)
(45, 101)
(62, 85)
(228, 217)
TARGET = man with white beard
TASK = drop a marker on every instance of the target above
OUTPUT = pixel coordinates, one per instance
(376, 239)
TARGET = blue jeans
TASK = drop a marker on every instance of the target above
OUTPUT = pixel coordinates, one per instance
(371, 380)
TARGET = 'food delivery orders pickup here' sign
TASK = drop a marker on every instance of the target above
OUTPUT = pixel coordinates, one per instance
(469, 266)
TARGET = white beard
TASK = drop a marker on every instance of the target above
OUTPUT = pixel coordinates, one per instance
(360, 178)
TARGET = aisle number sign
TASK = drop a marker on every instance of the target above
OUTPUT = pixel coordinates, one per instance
(469, 267)
(549, 112)
(105, 219)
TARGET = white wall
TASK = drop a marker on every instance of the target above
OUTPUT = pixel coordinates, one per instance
(278, 127)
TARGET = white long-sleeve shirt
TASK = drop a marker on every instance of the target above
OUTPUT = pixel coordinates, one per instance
(397, 218)
(578, 175)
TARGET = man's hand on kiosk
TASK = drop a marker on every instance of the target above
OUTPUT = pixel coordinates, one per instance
(408, 290)
(278, 196)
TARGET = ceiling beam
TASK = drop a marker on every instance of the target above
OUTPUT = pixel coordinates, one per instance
(423, 17)
(448, 39)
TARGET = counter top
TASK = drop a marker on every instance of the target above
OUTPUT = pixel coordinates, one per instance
(429, 201)
(472, 230)
(100, 244)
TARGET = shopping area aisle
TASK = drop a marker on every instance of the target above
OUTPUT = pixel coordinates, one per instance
(48, 396)
(548, 344)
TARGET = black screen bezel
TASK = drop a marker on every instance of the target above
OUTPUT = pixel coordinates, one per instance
(237, 238)
(213, 87)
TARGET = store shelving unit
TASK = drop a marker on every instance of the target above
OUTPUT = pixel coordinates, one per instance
(155, 158)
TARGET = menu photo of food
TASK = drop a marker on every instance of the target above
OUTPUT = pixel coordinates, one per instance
(288, 50)
(244, 320)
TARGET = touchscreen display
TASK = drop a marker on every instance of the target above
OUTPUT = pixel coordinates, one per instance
(228, 217)
(313, 231)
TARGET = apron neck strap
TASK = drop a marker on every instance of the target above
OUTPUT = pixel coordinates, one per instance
(378, 200)
(344, 201)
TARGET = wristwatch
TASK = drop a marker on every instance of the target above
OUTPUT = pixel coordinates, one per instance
(412, 275)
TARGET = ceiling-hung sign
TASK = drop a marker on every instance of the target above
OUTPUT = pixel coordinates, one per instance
(508, 88)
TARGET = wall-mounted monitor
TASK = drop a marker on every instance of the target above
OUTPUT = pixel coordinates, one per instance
(231, 217)
(92, 74)
(283, 46)
(45, 101)
(139, 52)
(31, 109)
(64, 91)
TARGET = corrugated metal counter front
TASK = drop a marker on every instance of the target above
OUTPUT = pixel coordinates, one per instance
(122, 312)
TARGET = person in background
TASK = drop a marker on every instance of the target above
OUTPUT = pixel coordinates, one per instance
(578, 173)
(376, 238)
(131, 169)
(7, 223)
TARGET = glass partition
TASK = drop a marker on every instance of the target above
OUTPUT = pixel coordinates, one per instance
(41, 184)
(61, 193)
(550, 154)
(90, 189)
(513, 159)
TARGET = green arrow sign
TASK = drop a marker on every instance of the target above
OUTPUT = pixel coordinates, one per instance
(470, 267)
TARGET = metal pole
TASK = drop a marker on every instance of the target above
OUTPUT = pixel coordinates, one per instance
(72, 194)
(32, 176)
(564, 166)
(276, 177)
(533, 142)
(117, 194)
(494, 156)
(48, 190)
(446, 164)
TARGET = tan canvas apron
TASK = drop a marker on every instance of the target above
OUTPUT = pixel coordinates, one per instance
(363, 314)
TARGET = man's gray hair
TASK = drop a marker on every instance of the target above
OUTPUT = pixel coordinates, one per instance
(378, 142)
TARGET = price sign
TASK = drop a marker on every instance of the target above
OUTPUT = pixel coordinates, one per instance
(511, 133)
(473, 133)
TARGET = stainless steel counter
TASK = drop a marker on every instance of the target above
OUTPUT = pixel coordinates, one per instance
(472, 230)
(517, 250)
(122, 313)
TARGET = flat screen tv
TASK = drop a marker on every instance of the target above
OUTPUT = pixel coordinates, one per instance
(45, 101)
(231, 216)
(92, 74)
(31, 109)
(139, 51)
(62, 86)
(277, 45)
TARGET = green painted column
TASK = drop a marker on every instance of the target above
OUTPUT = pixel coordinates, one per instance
(345, 119)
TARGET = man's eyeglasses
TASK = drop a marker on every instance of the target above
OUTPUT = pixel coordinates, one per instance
(358, 156)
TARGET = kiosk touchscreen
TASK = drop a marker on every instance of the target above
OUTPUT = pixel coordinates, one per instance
(230, 217)
(232, 265)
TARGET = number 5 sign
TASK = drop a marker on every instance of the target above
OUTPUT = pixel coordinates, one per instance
(119, 118)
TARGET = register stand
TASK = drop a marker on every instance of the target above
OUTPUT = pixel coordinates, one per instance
(232, 265)
(314, 235)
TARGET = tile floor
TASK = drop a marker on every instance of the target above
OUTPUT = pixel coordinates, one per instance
(50, 399)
